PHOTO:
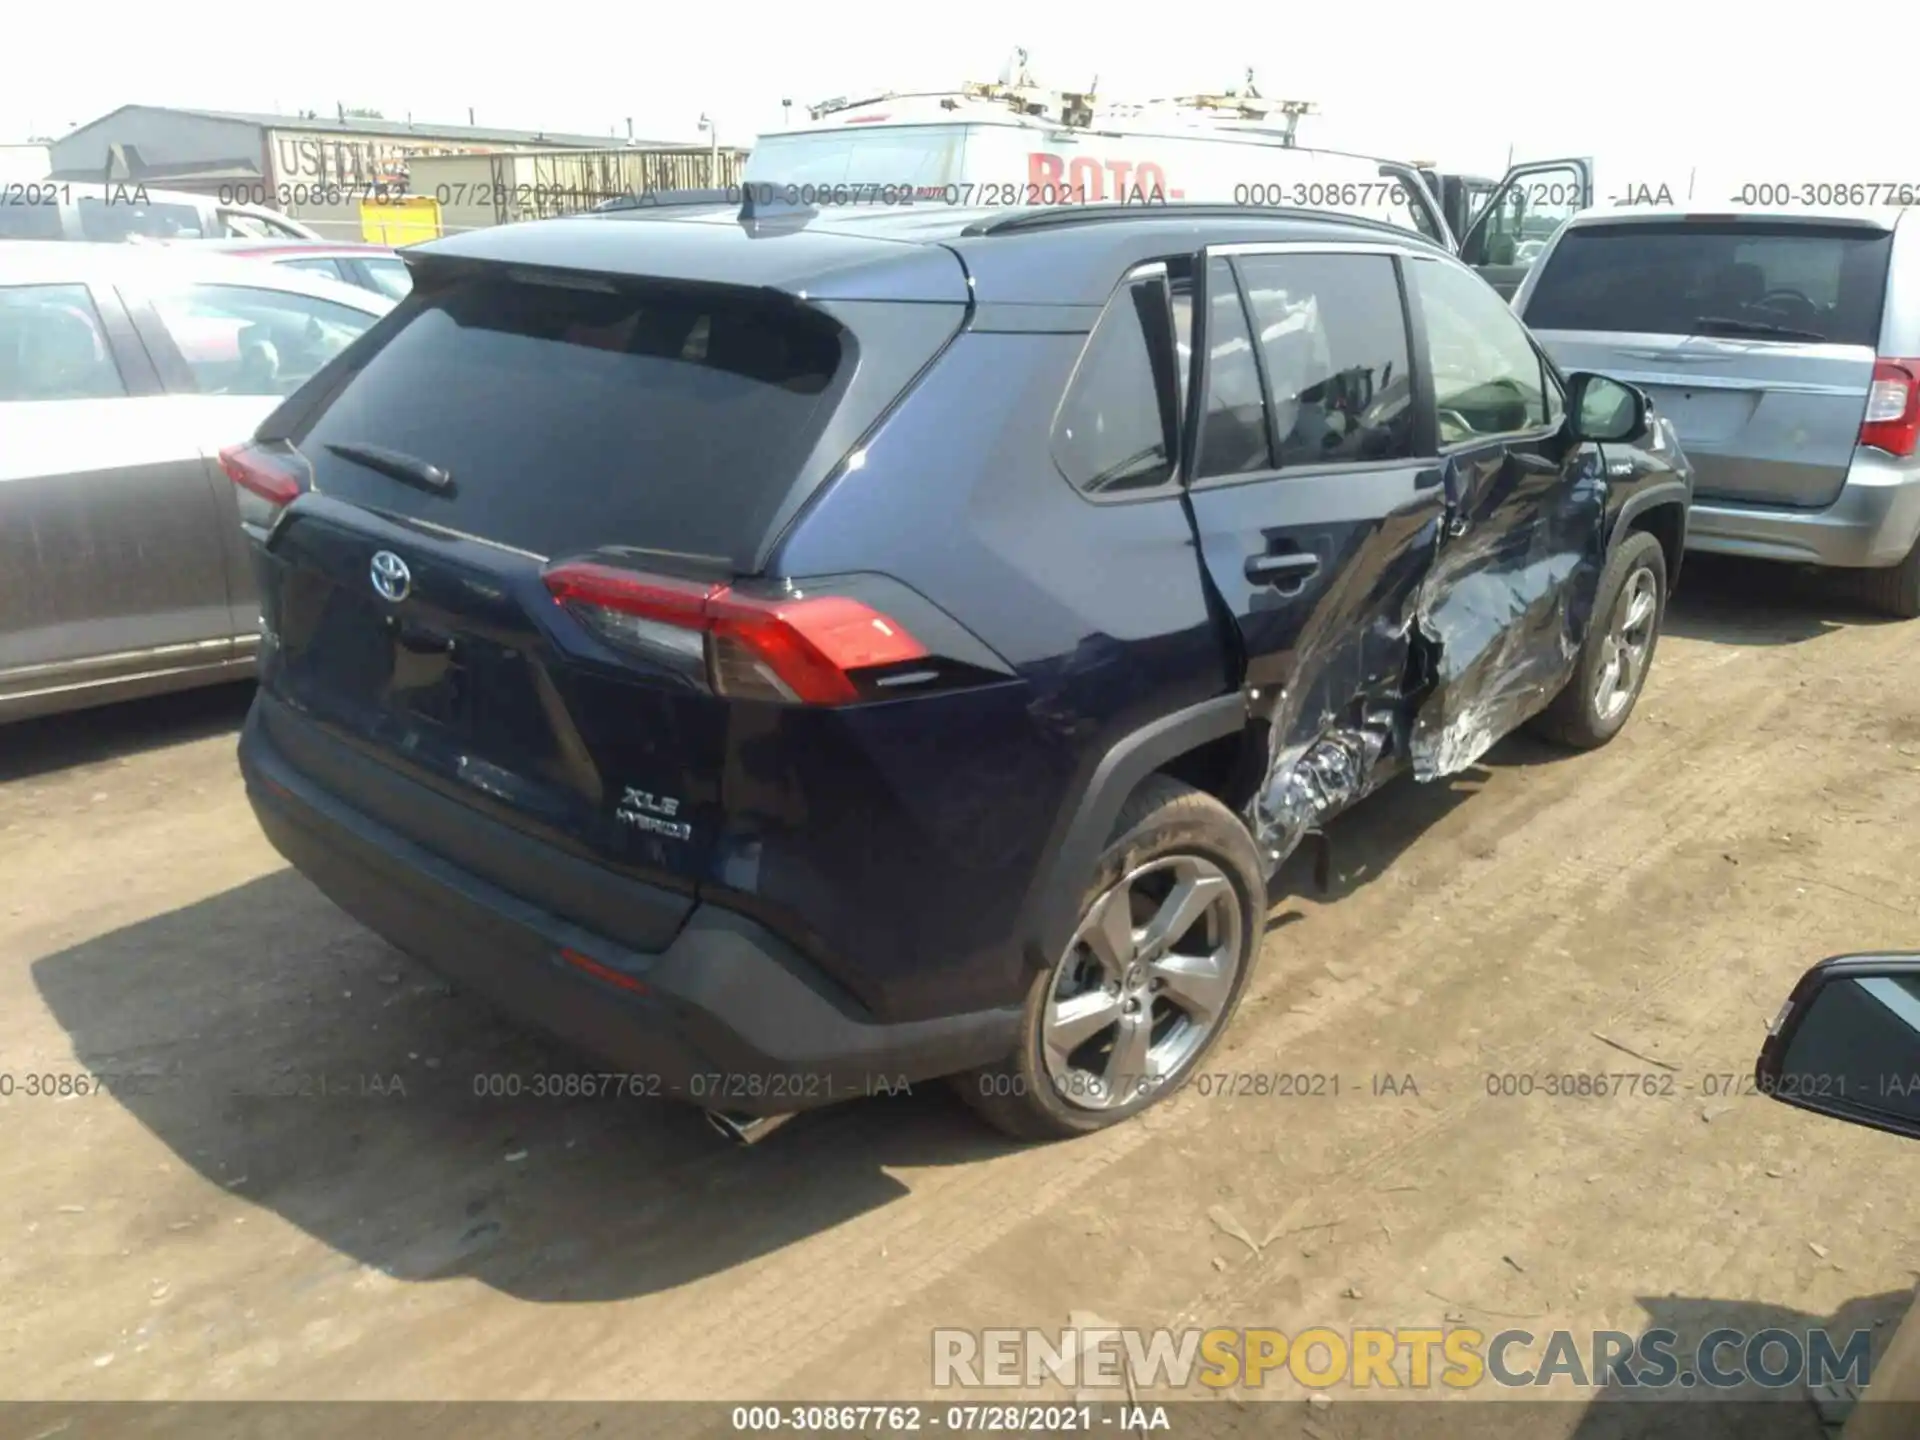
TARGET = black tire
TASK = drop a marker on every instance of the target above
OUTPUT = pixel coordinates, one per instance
(1574, 718)
(1895, 590)
(1162, 818)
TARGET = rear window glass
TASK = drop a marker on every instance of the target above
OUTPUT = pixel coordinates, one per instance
(665, 418)
(1730, 279)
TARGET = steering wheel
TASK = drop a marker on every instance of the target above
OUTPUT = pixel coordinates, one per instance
(1784, 299)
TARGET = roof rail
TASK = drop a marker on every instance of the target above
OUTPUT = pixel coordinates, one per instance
(1020, 222)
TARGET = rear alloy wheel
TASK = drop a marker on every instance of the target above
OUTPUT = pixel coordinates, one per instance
(1154, 970)
(1612, 666)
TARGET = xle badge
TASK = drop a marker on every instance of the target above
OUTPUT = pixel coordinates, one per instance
(653, 813)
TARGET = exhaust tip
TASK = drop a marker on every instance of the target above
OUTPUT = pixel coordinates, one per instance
(744, 1129)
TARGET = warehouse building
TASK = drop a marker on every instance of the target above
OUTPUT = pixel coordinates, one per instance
(316, 169)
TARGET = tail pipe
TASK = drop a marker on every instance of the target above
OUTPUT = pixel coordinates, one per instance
(745, 1129)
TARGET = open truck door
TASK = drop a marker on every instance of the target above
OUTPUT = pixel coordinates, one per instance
(1428, 211)
(1510, 230)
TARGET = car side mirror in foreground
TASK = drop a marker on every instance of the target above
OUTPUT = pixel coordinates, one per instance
(1605, 409)
(1847, 1043)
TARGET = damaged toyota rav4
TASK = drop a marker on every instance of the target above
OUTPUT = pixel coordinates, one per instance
(791, 654)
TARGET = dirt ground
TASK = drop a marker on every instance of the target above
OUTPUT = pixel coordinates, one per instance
(201, 1237)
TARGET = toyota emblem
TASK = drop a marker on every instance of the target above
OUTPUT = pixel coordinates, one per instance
(390, 576)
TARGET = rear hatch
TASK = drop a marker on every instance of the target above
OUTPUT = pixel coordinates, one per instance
(508, 418)
(1755, 335)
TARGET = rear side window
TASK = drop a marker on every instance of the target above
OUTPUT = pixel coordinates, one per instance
(52, 346)
(389, 277)
(1110, 435)
(1233, 435)
(1743, 278)
(670, 418)
(1332, 337)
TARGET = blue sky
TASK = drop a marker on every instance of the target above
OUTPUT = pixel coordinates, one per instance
(1652, 91)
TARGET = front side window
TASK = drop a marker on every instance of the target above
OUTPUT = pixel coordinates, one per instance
(1110, 434)
(317, 265)
(53, 347)
(1487, 377)
(237, 340)
(1332, 337)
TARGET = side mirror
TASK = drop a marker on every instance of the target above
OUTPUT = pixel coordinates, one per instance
(1847, 1043)
(1601, 408)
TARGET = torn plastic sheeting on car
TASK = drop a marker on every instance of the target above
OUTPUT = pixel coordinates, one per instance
(1507, 638)
(1326, 741)
(1314, 781)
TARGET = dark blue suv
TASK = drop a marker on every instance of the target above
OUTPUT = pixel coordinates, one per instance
(791, 654)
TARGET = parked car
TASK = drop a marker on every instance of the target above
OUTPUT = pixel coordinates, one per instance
(130, 210)
(378, 268)
(123, 371)
(1782, 345)
(792, 653)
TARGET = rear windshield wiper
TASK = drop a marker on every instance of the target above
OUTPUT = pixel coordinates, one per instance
(396, 464)
(1731, 326)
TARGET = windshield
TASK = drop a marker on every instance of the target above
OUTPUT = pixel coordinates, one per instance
(902, 155)
(1770, 281)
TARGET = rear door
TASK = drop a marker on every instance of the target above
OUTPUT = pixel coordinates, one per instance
(229, 353)
(1512, 228)
(110, 541)
(1755, 335)
(1317, 500)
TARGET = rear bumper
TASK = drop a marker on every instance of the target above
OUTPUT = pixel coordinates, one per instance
(724, 1017)
(1872, 524)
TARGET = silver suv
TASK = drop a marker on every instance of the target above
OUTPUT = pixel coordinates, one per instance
(1782, 346)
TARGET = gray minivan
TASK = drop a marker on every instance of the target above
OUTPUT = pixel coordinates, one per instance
(1783, 345)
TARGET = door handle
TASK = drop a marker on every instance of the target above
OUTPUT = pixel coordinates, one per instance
(1279, 569)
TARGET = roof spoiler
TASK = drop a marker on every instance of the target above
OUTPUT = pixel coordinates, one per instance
(757, 202)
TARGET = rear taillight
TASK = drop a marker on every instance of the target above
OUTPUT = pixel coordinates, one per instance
(269, 477)
(1893, 408)
(797, 649)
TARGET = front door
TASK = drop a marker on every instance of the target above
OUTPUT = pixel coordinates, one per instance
(1508, 233)
(1317, 498)
(1507, 604)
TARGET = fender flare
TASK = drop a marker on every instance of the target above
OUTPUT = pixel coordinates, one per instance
(1052, 906)
(1664, 492)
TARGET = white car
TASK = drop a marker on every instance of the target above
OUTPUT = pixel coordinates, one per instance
(124, 371)
(130, 210)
